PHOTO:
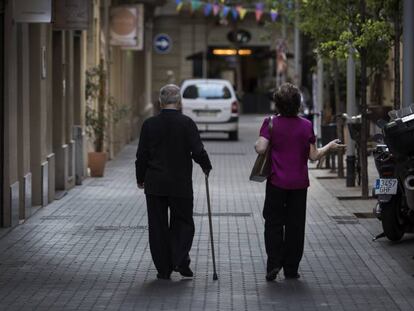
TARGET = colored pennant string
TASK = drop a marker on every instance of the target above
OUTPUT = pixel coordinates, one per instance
(273, 14)
(207, 9)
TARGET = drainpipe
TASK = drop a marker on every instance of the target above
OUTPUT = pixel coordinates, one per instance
(1, 109)
(148, 64)
(297, 47)
(408, 50)
(319, 104)
(351, 110)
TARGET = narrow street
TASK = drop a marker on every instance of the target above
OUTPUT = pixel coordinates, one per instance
(89, 250)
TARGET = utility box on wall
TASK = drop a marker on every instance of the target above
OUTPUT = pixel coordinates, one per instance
(33, 11)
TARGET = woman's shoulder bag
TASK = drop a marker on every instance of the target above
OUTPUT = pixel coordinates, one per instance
(262, 166)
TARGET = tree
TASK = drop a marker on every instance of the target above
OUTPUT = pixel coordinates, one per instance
(363, 26)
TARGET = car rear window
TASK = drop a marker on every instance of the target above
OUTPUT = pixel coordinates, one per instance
(207, 91)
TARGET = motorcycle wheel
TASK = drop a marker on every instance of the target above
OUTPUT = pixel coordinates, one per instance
(393, 230)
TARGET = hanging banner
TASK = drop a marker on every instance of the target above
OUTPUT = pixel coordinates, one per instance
(242, 11)
(33, 11)
(207, 9)
(225, 11)
(71, 14)
(195, 5)
(179, 6)
(259, 11)
(273, 14)
(127, 26)
(234, 13)
(216, 9)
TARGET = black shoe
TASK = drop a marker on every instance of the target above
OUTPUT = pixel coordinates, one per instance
(292, 275)
(163, 276)
(185, 271)
(272, 274)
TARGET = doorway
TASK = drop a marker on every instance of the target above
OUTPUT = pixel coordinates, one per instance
(1, 108)
(249, 69)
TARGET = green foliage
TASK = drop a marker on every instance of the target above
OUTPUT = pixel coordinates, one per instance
(337, 27)
(100, 109)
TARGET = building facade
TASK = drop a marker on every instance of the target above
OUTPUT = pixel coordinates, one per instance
(44, 141)
(203, 46)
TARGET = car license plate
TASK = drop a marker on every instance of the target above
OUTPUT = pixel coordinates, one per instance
(207, 113)
(386, 186)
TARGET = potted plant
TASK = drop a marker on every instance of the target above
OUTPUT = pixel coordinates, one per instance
(100, 110)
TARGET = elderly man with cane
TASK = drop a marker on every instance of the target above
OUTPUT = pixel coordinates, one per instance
(168, 143)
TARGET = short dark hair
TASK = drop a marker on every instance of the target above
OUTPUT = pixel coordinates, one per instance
(287, 99)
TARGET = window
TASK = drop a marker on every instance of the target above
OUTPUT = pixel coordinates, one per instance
(207, 91)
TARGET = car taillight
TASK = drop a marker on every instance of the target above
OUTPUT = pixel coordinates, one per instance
(234, 107)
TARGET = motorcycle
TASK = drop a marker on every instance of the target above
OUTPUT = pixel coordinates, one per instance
(394, 161)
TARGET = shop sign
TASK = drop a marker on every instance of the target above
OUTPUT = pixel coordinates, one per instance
(71, 14)
(127, 26)
(33, 11)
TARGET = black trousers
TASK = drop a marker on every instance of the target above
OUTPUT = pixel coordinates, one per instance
(171, 239)
(285, 214)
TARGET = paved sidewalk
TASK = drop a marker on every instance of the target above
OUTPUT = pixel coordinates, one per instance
(89, 251)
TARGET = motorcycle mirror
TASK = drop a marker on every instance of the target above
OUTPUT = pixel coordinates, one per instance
(379, 138)
(381, 123)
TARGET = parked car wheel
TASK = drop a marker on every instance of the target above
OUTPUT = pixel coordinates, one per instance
(393, 230)
(234, 135)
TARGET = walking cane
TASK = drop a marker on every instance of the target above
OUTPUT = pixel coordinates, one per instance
(211, 229)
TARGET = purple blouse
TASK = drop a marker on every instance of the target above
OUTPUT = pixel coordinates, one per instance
(290, 143)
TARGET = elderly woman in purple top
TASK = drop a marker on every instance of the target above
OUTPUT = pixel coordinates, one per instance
(292, 143)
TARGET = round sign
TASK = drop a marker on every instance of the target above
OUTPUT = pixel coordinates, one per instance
(162, 43)
(123, 22)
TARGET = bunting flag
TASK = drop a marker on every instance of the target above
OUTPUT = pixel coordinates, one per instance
(195, 5)
(259, 11)
(219, 7)
(179, 6)
(242, 11)
(225, 11)
(207, 9)
(234, 13)
(216, 9)
(273, 14)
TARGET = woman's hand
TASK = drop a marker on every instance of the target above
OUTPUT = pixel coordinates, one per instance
(316, 154)
(336, 145)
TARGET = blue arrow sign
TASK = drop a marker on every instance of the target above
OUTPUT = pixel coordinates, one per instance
(162, 43)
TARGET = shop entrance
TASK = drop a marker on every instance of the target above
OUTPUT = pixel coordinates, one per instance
(250, 70)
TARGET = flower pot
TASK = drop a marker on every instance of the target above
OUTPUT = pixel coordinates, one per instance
(96, 163)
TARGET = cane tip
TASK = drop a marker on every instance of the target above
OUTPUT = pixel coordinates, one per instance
(215, 277)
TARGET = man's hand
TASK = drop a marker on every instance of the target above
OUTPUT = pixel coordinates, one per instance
(140, 185)
(207, 172)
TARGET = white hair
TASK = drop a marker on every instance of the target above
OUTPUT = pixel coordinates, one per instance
(170, 94)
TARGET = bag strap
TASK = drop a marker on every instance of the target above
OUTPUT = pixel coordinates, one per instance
(270, 126)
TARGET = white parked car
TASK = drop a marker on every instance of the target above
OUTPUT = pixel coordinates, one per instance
(212, 104)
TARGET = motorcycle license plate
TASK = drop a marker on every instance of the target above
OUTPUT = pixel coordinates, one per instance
(386, 186)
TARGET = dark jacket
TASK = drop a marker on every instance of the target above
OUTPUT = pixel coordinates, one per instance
(167, 145)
